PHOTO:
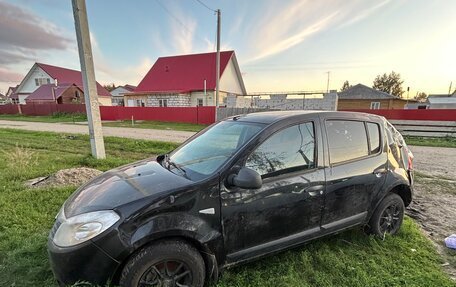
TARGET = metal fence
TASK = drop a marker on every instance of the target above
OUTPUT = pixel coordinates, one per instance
(426, 128)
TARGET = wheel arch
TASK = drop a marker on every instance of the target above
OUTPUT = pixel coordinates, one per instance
(209, 258)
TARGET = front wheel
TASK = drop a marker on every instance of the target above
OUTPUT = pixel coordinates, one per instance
(168, 264)
(388, 217)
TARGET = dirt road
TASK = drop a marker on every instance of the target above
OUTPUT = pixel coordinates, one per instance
(147, 134)
(434, 202)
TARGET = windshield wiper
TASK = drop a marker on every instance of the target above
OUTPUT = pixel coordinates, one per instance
(175, 165)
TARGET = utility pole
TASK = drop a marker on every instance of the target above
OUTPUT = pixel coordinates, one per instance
(88, 79)
(217, 66)
(327, 84)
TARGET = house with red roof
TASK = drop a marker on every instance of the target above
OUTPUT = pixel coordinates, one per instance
(188, 81)
(60, 78)
(60, 94)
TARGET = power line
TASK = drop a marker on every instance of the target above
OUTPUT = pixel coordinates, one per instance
(177, 19)
(209, 8)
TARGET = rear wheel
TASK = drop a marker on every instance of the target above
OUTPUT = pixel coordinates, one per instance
(165, 264)
(388, 217)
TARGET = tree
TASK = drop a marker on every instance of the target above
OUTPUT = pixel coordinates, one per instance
(391, 84)
(421, 97)
(345, 86)
(109, 87)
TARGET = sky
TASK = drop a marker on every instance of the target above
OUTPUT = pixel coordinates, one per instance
(281, 45)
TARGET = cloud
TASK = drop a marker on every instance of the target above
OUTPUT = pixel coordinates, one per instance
(21, 28)
(9, 77)
(107, 72)
(280, 27)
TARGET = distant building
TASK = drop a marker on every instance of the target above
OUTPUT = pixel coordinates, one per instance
(445, 101)
(188, 80)
(9, 95)
(2, 99)
(42, 74)
(363, 97)
(119, 92)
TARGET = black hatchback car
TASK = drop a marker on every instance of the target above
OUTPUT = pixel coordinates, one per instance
(243, 188)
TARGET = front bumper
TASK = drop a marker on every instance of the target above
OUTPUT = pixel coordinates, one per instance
(85, 262)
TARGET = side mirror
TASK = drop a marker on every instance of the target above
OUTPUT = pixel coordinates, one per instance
(246, 178)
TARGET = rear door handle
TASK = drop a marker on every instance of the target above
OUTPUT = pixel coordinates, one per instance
(315, 190)
(379, 172)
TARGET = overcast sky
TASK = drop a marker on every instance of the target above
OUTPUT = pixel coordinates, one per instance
(281, 45)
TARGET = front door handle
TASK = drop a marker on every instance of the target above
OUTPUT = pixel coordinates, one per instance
(315, 190)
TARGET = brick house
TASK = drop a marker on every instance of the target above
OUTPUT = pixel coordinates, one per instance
(363, 97)
(61, 94)
(188, 80)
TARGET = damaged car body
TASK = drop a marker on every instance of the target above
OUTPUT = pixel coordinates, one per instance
(243, 188)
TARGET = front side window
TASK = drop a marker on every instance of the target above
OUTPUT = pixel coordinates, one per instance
(347, 140)
(291, 148)
(203, 155)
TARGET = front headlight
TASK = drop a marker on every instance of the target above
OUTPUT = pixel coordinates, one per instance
(82, 227)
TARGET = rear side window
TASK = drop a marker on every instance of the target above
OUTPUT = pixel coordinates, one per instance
(374, 137)
(347, 140)
(290, 149)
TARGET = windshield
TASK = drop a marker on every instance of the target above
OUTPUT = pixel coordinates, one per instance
(203, 155)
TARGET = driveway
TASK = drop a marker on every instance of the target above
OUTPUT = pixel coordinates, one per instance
(146, 134)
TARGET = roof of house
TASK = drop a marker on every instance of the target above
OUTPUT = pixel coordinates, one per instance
(65, 75)
(131, 88)
(441, 100)
(2, 96)
(183, 73)
(44, 92)
(362, 92)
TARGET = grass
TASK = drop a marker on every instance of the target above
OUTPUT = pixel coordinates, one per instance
(157, 125)
(54, 118)
(68, 118)
(26, 215)
(428, 141)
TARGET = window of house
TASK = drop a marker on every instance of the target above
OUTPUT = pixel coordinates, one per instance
(42, 81)
(140, 103)
(163, 102)
(374, 137)
(289, 149)
(347, 140)
(375, 105)
(200, 102)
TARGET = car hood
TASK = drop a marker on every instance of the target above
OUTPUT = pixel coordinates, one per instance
(123, 185)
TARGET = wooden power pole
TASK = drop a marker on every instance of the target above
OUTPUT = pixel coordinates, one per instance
(217, 66)
(88, 79)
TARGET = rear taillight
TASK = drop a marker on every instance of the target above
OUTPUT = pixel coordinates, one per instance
(410, 159)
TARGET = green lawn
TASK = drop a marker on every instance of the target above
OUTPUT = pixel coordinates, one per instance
(26, 215)
(54, 118)
(435, 142)
(156, 125)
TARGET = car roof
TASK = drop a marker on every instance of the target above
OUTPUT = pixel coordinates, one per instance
(275, 116)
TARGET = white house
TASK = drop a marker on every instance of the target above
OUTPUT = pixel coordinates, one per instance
(119, 92)
(41, 74)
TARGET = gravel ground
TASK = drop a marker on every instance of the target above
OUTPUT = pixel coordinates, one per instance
(71, 176)
(434, 202)
(146, 134)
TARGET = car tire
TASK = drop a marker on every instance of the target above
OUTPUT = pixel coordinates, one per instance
(388, 217)
(164, 264)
